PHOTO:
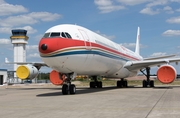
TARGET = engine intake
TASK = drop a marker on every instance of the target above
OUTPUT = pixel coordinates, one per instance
(26, 72)
(166, 74)
(57, 78)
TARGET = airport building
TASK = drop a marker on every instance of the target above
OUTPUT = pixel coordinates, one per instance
(3, 76)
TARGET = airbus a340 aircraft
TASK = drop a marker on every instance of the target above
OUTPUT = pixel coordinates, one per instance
(72, 50)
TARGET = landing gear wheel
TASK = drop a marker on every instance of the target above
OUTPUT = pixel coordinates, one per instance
(151, 83)
(147, 82)
(119, 84)
(95, 83)
(99, 84)
(65, 89)
(72, 89)
(122, 83)
(144, 83)
(92, 84)
(125, 84)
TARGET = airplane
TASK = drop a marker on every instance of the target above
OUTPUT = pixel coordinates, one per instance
(72, 50)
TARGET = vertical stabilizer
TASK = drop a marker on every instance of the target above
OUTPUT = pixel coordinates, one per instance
(137, 42)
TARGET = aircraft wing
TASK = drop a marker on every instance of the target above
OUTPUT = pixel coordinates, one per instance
(137, 65)
(36, 64)
(160, 57)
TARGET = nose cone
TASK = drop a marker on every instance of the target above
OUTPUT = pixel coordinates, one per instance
(44, 47)
(47, 45)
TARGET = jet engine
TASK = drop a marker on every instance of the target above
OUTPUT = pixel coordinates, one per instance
(57, 78)
(166, 74)
(27, 72)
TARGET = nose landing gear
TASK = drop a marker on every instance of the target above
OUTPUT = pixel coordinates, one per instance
(68, 87)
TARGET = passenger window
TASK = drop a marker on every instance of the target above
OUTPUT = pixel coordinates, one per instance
(63, 35)
(55, 34)
(46, 35)
(68, 35)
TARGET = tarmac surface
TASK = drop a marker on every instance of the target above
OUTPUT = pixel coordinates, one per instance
(45, 101)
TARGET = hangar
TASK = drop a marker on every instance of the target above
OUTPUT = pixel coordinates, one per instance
(3, 76)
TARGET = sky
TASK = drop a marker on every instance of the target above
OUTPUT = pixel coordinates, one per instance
(159, 21)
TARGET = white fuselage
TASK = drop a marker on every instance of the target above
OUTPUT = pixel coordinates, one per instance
(85, 53)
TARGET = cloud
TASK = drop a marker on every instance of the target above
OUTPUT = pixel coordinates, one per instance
(157, 2)
(44, 16)
(168, 10)
(5, 41)
(5, 30)
(9, 9)
(34, 55)
(158, 54)
(151, 6)
(29, 29)
(171, 33)
(107, 6)
(174, 20)
(28, 19)
(129, 45)
(133, 2)
(38, 37)
(149, 11)
(32, 47)
(178, 10)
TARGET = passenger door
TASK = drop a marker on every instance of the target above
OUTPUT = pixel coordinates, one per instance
(87, 42)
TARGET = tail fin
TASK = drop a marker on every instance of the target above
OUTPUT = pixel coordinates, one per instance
(137, 42)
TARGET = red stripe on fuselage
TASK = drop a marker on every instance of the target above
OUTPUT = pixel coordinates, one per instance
(55, 44)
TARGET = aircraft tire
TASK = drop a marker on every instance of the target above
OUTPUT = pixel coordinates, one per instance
(144, 83)
(125, 83)
(151, 83)
(92, 84)
(72, 89)
(119, 84)
(65, 89)
(99, 84)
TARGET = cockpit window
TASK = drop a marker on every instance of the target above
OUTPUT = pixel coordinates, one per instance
(55, 34)
(63, 35)
(68, 35)
(46, 35)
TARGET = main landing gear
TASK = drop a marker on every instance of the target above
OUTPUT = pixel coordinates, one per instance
(122, 83)
(95, 83)
(68, 87)
(147, 82)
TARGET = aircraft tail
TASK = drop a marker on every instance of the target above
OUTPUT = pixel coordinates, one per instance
(137, 50)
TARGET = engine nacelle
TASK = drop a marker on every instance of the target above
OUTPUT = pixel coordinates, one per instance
(57, 78)
(26, 72)
(166, 74)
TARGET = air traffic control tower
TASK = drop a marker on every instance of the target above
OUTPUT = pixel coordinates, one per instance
(19, 41)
